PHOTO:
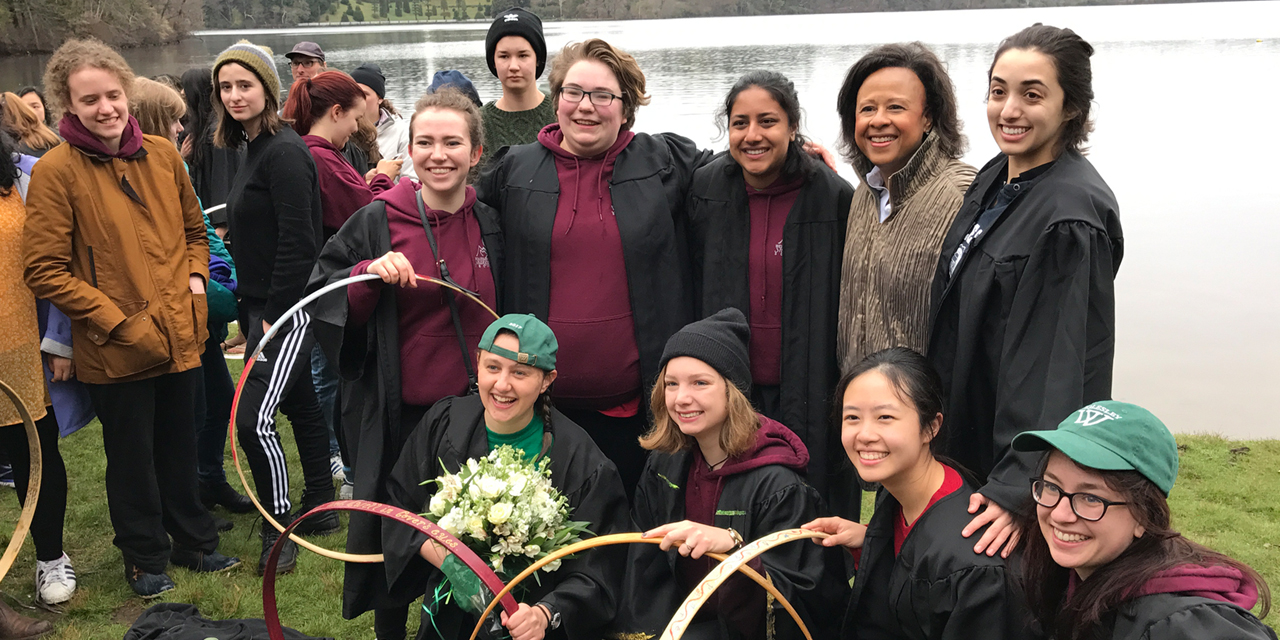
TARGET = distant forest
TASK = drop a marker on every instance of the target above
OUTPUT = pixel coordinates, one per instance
(40, 25)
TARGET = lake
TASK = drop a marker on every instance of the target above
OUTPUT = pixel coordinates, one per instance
(1198, 294)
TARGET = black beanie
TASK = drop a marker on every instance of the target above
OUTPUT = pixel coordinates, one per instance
(370, 75)
(516, 22)
(721, 341)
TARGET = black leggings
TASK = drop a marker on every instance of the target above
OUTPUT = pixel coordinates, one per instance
(51, 506)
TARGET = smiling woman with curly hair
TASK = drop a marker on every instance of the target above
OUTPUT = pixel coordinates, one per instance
(135, 294)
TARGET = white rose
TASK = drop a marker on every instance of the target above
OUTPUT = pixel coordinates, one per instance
(499, 513)
(475, 527)
(438, 505)
(449, 523)
(473, 490)
(491, 487)
(518, 483)
(473, 465)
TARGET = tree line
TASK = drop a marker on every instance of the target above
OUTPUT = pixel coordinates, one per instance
(40, 25)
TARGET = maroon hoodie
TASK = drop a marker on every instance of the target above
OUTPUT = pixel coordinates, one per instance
(769, 208)
(1218, 582)
(431, 365)
(590, 302)
(775, 444)
(342, 189)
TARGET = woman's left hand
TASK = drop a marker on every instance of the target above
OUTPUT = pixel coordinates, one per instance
(692, 539)
(820, 152)
(528, 623)
(1003, 532)
(197, 284)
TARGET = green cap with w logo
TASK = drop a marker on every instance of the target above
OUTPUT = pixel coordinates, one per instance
(1112, 436)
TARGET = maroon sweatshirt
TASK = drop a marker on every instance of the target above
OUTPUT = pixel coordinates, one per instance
(769, 208)
(1222, 583)
(342, 189)
(431, 365)
(775, 444)
(590, 305)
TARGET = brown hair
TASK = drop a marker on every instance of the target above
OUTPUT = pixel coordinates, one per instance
(1070, 56)
(1082, 613)
(156, 106)
(386, 105)
(230, 133)
(75, 55)
(939, 95)
(737, 434)
(450, 98)
(19, 120)
(623, 65)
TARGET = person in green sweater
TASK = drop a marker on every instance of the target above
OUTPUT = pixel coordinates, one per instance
(516, 53)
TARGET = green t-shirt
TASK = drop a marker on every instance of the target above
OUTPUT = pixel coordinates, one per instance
(505, 128)
(528, 439)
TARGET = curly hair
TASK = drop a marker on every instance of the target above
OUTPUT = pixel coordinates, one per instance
(622, 64)
(156, 106)
(75, 55)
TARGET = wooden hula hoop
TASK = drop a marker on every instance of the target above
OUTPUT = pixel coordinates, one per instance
(447, 540)
(366, 558)
(632, 538)
(721, 572)
(33, 487)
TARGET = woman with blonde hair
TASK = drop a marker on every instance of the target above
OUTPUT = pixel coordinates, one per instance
(33, 137)
(159, 110)
(135, 294)
(721, 473)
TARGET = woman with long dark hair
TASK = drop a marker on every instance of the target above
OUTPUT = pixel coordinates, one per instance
(1023, 300)
(767, 230)
(212, 167)
(274, 210)
(1100, 558)
(35, 99)
(916, 577)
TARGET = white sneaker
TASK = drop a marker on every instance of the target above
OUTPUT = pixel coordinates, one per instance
(55, 580)
(346, 491)
(335, 467)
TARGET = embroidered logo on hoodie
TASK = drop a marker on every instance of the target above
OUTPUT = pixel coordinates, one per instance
(482, 258)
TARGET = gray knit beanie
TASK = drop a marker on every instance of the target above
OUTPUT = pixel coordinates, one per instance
(720, 341)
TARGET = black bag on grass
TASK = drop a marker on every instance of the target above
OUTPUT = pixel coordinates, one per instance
(181, 621)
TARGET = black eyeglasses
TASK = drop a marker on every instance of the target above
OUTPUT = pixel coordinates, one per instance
(598, 98)
(1085, 505)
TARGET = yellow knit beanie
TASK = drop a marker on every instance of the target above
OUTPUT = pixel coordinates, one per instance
(256, 58)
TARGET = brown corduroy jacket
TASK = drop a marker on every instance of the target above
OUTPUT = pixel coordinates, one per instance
(888, 266)
(113, 242)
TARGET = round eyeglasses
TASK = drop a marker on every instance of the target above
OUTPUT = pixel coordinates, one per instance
(1086, 506)
(599, 98)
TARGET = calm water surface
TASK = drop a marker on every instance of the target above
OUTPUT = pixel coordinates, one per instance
(1185, 109)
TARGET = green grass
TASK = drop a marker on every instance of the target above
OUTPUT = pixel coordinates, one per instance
(1223, 499)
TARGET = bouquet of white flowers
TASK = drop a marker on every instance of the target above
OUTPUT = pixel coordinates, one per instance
(506, 510)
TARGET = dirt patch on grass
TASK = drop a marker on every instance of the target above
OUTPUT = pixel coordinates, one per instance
(126, 613)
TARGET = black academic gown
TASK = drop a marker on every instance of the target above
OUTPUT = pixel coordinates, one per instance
(814, 235)
(754, 503)
(584, 589)
(1024, 333)
(368, 361)
(1176, 616)
(649, 187)
(936, 588)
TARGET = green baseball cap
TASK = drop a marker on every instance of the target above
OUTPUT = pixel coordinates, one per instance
(537, 343)
(1112, 436)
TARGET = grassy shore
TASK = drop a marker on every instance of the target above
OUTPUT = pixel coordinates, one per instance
(1225, 498)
